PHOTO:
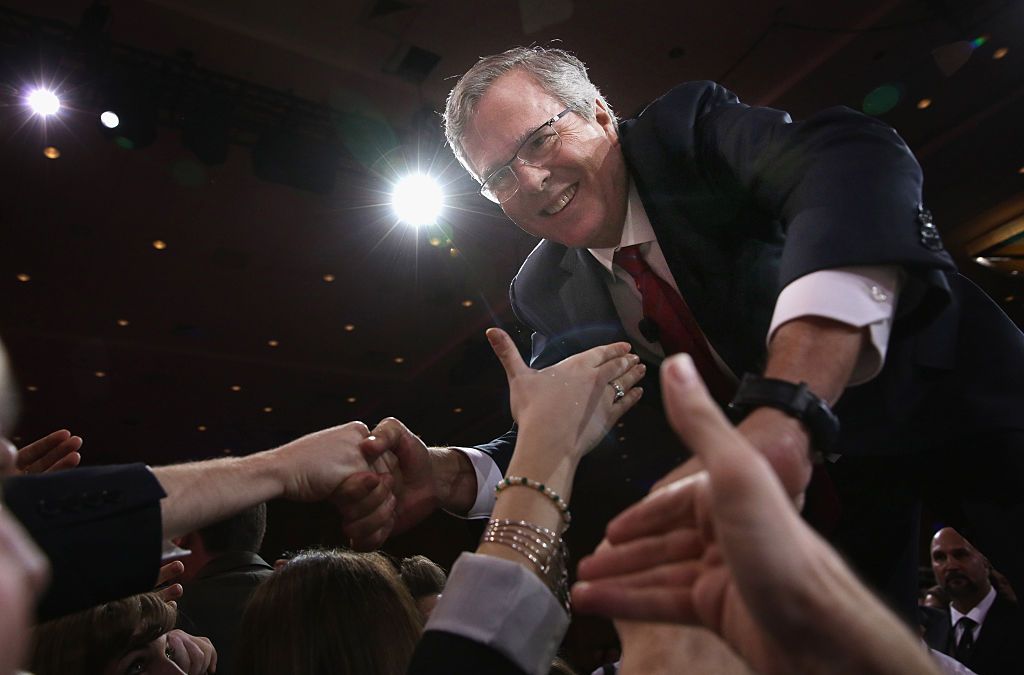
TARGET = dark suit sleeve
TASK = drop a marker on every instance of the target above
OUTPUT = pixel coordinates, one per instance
(99, 527)
(442, 653)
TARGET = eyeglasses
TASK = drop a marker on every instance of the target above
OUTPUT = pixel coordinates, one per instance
(541, 146)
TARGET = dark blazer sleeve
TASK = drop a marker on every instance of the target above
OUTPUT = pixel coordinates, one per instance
(99, 527)
(443, 653)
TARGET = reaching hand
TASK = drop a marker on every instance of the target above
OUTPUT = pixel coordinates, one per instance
(313, 467)
(725, 548)
(194, 655)
(57, 451)
(169, 592)
(574, 401)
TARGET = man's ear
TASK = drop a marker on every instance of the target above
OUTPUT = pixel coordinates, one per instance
(605, 119)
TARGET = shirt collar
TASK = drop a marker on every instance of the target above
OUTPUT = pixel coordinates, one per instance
(978, 612)
(636, 230)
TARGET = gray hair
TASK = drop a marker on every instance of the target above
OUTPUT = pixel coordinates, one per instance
(560, 74)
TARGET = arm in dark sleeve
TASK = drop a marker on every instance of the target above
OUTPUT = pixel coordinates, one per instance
(99, 527)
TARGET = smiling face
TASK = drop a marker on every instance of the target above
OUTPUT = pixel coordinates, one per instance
(959, 568)
(578, 196)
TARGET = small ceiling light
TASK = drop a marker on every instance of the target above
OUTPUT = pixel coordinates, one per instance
(227, 451)
(236, 387)
(122, 322)
(24, 277)
(399, 359)
(201, 427)
(456, 410)
(621, 424)
(467, 303)
(454, 252)
(1021, 171)
(350, 399)
(622, 438)
(435, 241)
(273, 343)
(32, 387)
(1000, 53)
(100, 373)
(924, 103)
(1011, 298)
(1014, 272)
(51, 152)
(159, 244)
(349, 327)
(417, 200)
(267, 409)
(44, 102)
(109, 119)
(328, 278)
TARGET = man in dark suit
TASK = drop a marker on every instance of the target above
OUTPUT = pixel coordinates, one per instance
(221, 574)
(984, 629)
(751, 229)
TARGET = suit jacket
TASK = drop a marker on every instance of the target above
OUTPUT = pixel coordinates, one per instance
(99, 527)
(213, 603)
(743, 201)
(997, 650)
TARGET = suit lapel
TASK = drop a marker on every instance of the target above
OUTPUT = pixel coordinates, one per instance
(589, 310)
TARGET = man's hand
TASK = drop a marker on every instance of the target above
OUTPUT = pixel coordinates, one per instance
(725, 549)
(54, 452)
(312, 467)
(194, 655)
(170, 592)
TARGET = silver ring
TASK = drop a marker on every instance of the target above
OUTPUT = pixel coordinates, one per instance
(620, 393)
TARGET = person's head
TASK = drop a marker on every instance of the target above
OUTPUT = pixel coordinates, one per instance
(425, 580)
(568, 182)
(117, 638)
(960, 569)
(241, 532)
(329, 612)
(934, 597)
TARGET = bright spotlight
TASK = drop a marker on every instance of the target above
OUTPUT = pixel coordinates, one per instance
(109, 119)
(417, 200)
(43, 102)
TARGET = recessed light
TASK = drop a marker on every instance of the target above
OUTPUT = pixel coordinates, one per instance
(159, 244)
(32, 387)
(621, 424)
(273, 343)
(454, 252)
(1011, 298)
(399, 359)
(328, 278)
(236, 387)
(435, 241)
(24, 278)
(456, 410)
(227, 451)
(467, 303)
(1021, 170)
(100, 373)
(1000, 53)
(51, 152)
(622, 438)
(267, 409)
(122, 322)
(349, 327)
(350, 399)
(924, 103)
(201, 427)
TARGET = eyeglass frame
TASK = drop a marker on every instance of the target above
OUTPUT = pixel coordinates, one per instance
(508, 164)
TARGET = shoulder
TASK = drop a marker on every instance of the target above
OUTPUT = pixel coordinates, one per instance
(539, 268)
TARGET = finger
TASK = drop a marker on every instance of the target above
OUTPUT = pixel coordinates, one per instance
(631, 557)
(179, 649)
(390, 434)
(670, 604)
(354, 489)
(507, 352)
(53, 455)
(666, 509)
(597, 356)
(375, 499)
(687, 468)
(196, 658)
(171, 570)
(171, 593)
(37, 449)
(211, 653)
(633, 375)
(381, 519)
(67, 462)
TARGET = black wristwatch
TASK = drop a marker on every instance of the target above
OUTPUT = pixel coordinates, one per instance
(796, 400)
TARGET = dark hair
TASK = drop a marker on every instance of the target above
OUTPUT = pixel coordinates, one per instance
(241, 532)
(86, 642)
(329, 612)
(422, 576)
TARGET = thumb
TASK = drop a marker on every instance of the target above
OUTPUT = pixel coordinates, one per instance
(697, 420)
(506, 352)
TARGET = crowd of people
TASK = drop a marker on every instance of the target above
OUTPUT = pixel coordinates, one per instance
(703, 240)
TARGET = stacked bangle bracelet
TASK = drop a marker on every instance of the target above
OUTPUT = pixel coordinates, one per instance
(544, 548)
(511, 481)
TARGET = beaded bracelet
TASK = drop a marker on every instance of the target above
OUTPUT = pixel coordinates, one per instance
(545, 550)
(510, 481)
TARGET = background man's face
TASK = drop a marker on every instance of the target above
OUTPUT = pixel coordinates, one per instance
(588, 169)
(958, 567)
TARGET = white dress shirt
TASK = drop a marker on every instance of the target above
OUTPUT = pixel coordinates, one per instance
(977, 614)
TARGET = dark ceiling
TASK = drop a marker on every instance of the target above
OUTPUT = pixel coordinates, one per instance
(245, 259)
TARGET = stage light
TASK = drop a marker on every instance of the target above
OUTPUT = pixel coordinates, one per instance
(109, 119)
(44, 102)
(51, 152)
(418, 200)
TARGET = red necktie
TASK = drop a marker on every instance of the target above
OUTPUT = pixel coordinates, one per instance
(677, 329)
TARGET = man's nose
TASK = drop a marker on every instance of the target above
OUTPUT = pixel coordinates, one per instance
(531, 178)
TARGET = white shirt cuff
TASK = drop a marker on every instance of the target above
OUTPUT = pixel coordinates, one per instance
(503, 605)
(856, 296)
(487, 476)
